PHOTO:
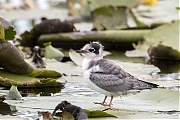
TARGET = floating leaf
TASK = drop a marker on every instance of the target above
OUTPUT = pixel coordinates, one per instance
(9, 117)
(52, 53)
(109, 17)
(163, 52)
(114, 17)
(13, 93)
(25, 81)
(166, 35)
(79, 7)
(9, 32)
(142, 105)
(75, 57)
(1, 32)
(97, 114)
(6, 24)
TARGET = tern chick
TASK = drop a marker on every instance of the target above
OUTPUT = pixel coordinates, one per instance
(107, 77)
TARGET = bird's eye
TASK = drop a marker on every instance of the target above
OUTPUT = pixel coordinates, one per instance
(91, 50)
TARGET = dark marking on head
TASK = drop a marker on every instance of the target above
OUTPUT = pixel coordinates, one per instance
(96, 47)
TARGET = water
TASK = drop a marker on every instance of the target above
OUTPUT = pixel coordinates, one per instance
(77, 91)
(169, 69)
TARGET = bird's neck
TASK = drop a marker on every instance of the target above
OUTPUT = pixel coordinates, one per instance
(88, 62)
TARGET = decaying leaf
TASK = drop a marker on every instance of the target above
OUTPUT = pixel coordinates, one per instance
(25, 81)
(49, 26)
(5, 109)
(167, 36)
(47, 115)
(163, 52)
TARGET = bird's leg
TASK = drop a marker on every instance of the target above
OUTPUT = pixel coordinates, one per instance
(110, 103)
(102, 103)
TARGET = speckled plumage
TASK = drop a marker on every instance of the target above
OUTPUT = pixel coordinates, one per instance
(105, 76)
(113, 78)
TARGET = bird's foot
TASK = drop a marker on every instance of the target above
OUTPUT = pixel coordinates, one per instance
(102, 103)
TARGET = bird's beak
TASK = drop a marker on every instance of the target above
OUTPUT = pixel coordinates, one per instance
(81, 51)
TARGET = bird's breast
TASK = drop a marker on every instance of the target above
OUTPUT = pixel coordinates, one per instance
(87, 71)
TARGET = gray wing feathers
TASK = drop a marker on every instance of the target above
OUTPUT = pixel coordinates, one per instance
(113, 78)
(110, 83)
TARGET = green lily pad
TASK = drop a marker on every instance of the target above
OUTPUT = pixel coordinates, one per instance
(114, 17)
(164, 42)
(109, 17)
(13, 94)
(8, 117)
(99, 3)
(51, 52)
(143, 105)
(9, 32)
(24, 81)
(97, 114)
(79, 7)
(163, 52)
(1, 32)
(166, 35)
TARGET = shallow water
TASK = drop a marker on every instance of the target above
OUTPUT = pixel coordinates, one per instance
(70, 90)
(169, 71)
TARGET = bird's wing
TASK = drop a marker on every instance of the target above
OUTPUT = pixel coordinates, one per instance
(111, 77)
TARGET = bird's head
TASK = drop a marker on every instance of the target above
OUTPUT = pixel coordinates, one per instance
(92, 50)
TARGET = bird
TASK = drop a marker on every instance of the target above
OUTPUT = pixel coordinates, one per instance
(107, 77)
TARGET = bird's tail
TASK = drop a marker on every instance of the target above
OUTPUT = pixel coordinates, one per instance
(146, 85)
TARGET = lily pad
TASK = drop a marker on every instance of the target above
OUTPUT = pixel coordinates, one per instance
(24, 81)
(97, 114)
(164, 12)
(8, 117)
(52, 52)
(1, 31)
(109, 17)
(166, 35)
(145, 104)
(79, 7)
(9, 32)
(163, 52)
(75, 57)
(13, 94)
(114, 17)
